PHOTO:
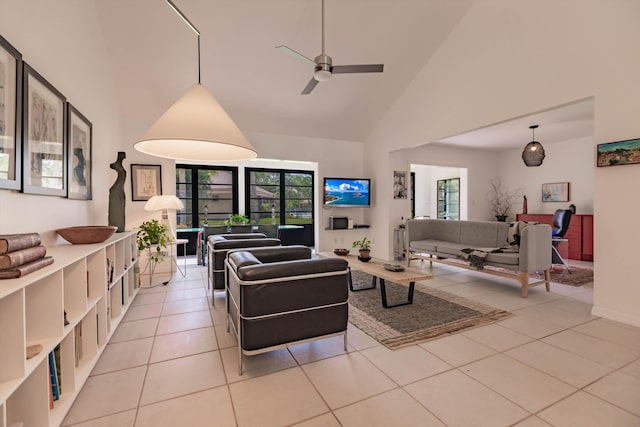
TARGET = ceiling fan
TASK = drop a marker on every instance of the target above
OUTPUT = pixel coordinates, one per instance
(323, 67)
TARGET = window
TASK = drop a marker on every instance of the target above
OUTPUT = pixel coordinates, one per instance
(209, 194)
(449, 198)
(279, 197)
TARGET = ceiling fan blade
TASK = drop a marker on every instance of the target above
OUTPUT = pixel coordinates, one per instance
(309, 87)
(296, 55)
(370, 68)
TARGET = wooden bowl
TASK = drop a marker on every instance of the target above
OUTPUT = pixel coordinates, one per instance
(82, 235)
(341, 251)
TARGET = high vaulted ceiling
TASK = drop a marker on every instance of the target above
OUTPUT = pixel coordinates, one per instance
(154, 59)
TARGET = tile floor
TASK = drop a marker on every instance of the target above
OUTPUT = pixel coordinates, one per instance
(172, 363)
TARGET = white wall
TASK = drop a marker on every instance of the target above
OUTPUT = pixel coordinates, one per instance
(569, 161)
(509, 59)
(62, 41)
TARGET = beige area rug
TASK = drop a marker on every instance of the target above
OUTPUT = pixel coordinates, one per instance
(432, 314)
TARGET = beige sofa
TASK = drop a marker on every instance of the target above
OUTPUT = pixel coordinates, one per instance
(441, 241)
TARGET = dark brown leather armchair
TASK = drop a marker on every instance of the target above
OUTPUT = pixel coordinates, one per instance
(278, 297)
(219, 244)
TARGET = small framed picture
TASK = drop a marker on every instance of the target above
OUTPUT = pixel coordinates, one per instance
(79, 154)
(45, 151)
(10, 116)
(555, 192)
(146, 181)
(399, 185)
(619, 153)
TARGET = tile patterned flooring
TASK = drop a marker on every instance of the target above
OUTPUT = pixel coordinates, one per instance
(172, 363)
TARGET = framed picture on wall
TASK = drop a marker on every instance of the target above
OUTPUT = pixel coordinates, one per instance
(399, 185)
(45, 150)
(10, 115)
(555, 192)
(79, 154)
(146, 181)
(619, 153)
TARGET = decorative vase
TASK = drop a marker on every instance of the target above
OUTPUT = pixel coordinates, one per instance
(364, 253)
(524, 205)
(116, 194)
(501, 218)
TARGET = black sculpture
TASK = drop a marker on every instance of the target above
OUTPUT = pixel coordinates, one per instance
(78, 171)
(116, 194)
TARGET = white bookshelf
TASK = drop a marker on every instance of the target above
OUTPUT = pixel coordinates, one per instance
(32, 312)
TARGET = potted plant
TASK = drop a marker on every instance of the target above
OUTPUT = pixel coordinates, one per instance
(501, 199)
(364, 248)
(236, 220)
(152, 233)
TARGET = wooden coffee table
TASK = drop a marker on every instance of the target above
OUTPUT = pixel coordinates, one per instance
(375, 268)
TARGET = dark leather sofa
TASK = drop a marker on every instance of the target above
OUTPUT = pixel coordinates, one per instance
(277, 297)
(219, 244)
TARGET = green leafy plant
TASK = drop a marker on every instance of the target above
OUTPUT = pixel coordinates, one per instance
(237, 219)
(363, 244)
(153, 234)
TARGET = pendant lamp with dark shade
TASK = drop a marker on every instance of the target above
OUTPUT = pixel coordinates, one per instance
(196, 127)
(533, 153)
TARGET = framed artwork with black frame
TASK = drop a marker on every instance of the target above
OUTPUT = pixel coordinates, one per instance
(44, 156)
(146, 181)
(79, 154)
(10, 116)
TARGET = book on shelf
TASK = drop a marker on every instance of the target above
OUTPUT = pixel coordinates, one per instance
(21, 256)
(56, 358)
(50, 393)
(77, 338)
(54, 377)
(24, 269)
(15, 242)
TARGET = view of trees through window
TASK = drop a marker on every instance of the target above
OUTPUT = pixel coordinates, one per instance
(279, 197)
(209, 194)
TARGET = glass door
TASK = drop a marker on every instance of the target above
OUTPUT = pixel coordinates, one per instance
(449, 198)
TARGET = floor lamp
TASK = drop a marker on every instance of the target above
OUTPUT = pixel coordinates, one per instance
(164, 204)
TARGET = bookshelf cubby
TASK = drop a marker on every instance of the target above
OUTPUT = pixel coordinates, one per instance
(33, 309)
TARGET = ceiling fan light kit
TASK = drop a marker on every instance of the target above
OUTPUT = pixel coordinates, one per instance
(323, 68)
(533, 153)
(196, 127)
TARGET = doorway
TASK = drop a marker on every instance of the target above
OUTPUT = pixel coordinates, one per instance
(427, 195)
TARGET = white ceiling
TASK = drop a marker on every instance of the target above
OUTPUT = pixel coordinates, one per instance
(154, 61)
(558, 124)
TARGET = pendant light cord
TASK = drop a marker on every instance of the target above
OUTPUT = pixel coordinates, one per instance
(322, 27)
(195, 30)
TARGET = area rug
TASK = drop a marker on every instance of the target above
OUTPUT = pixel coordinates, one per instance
(432, 314)
(578, 276)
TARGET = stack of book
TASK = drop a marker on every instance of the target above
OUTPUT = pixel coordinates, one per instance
(21, 254)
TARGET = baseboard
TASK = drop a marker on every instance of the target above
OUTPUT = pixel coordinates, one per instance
(618, 316)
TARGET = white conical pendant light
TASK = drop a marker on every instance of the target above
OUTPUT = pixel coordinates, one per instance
(195, 127)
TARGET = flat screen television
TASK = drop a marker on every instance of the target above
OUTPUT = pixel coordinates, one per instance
(347, 192)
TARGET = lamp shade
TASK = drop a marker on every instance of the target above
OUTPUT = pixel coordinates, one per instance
(196, 128)
(533, 153)
(157, 203)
